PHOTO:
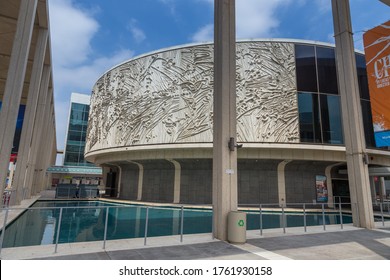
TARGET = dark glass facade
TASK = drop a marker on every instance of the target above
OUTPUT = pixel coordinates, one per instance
(77, 131)
(18, 129)
(320, 119)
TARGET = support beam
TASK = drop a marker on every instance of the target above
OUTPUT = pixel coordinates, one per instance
(24, 163)
(14, 85)
(359, 185)
(224, 119)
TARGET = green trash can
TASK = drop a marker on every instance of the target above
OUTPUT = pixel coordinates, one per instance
(237, 227)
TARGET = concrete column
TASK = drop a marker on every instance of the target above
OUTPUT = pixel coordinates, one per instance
(176, 186)
(282, 182)
(359, 185)
(224, 119)
(382, 189)
(14, 84)
(24, 154)
(44, 153)
(140, 179)
(38, 138)
(373, 190)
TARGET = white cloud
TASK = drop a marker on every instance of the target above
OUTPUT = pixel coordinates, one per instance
(137, 33)
(71, 32)
(204, 34)
(254, 18)
(76, 67)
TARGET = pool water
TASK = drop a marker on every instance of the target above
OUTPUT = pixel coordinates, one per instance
(38, 226)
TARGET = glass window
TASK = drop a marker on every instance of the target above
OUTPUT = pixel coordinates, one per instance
(332, 131)
(327, 75)
(309, 123)
(71, 158)
(74, 135)
(79, 107)
(362, 77)
(73, 148)
(367, 124)
(306, 68)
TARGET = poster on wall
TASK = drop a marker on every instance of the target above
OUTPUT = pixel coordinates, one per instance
(377, 51)
(321, 189)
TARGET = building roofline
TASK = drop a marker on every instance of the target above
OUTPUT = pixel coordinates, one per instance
(182, 46)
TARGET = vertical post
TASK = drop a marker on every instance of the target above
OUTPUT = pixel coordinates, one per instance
(224, 116)
(383, 218)
(261, 220)
(146, 224)
(323, 215)
(341, 216)
(283, 220)
(304, 216)
(105, 228)
(3, 230)
(355, 144)
(181, 223)
(58, 230)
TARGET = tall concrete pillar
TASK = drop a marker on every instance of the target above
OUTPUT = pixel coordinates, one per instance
(24, 154)
(14, 84)
(38, 138)
(224, 158)
(44, 153)
(355, 144)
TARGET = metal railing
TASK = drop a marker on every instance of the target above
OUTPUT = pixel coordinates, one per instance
(284, 211)
(294, 208)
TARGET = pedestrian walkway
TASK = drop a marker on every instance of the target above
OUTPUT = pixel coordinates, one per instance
(335, 243)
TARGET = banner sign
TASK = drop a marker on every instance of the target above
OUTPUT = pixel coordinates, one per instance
(377, 52)
(321, 189)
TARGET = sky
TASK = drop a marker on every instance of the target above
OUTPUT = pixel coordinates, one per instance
(89, 37)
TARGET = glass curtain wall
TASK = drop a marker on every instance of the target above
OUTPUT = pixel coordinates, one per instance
(75, 142)
(320, 119)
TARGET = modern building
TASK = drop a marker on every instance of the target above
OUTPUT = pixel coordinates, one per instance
(150, 125)
(75, 169)
(77, 131)
(29, 139)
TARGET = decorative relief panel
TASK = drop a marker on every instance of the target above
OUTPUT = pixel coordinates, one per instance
(167, 98)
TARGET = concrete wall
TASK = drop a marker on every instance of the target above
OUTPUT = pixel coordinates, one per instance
(257, 181)
(129, 181)
(301, 180)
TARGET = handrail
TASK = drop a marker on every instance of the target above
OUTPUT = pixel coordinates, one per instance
(260, 211)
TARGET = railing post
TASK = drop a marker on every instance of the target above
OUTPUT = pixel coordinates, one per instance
(146, 224)
(382, 216)
(181, 223)
(261, 220)
(3, 229)
(283, 220)
(58, 230)
(105, 228)
(341, 216)
(304, 216)
(212, 222)
(323, 215)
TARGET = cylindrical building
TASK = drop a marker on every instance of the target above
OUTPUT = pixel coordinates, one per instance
(150, 124)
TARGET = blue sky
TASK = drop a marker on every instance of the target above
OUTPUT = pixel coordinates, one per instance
(91, 36)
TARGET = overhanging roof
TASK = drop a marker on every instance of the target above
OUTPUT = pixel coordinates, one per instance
(82, 170)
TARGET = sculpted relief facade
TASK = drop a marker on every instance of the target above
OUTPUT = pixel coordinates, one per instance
(167, 98)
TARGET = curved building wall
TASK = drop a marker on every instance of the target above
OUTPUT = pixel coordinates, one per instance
(151, 118)
(167, 98)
